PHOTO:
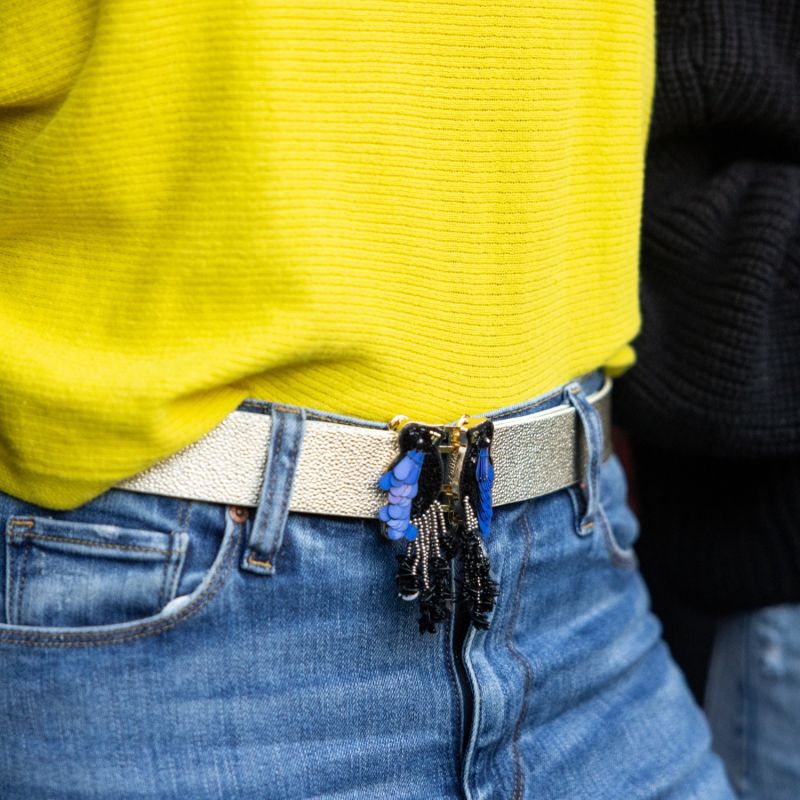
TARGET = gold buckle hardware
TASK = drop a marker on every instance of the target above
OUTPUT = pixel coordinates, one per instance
(454, 444)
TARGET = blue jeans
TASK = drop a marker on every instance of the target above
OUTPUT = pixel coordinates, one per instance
(142, 658)
(753, 701)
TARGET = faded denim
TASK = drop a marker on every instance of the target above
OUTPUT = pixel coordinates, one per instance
(753, 701)
(155, 648)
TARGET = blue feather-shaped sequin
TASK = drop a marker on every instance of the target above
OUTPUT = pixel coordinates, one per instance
(402, 484)
(484, 472)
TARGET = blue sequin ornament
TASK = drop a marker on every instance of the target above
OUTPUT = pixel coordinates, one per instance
(485, 476)
(402, 484)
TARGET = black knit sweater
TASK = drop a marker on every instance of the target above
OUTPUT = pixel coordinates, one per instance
(714, 398)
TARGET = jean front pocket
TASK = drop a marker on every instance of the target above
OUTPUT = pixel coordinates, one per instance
(66, 573)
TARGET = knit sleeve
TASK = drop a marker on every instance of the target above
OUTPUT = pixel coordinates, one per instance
(718, 368)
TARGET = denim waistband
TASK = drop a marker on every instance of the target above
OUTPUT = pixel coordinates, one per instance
(591, 382)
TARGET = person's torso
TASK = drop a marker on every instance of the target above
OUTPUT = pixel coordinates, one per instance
(371, 208)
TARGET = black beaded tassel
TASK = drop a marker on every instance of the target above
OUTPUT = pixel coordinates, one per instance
(414, 512)
(435, 536)
(426, 567)
(478, 590)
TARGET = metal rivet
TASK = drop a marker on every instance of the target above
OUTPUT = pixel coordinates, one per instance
(239, 514)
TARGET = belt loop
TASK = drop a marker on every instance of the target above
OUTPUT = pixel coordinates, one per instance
(589, 452)
(266, 533)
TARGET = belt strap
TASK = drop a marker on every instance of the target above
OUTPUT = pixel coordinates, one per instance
(340, 463)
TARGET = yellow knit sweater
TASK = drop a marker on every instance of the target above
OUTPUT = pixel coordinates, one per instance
(371, 207)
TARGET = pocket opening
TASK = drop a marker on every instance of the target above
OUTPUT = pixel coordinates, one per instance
(66, 573)
(189, 604)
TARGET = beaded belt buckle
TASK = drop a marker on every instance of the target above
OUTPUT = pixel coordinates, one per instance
(440, 503)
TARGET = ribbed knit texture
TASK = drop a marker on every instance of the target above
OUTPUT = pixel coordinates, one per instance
(719, 354)
(372, 207)
(713, 403)
(723, 534)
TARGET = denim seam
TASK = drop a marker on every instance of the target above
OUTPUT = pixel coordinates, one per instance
(165, 573)
(176, 558)
(519, 775)
(8, 589)
(16, 579)
(520, 409)
(170, 571)
(458, 705)
(10, 584)
(176, 580)
(89, 543)
(217, 580)
(173, 565)
(23, 571)
(477, 712)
